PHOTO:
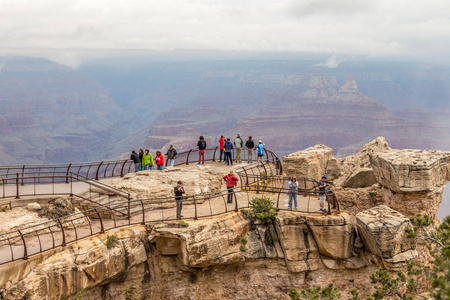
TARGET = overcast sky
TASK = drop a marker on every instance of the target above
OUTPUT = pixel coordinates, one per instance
(72, 30)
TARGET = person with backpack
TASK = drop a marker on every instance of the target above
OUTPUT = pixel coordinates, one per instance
(228, 146)
(221, 142)
(147, 160)
(159, 158)
(171, 154)
(260, 149)
(179, 191)
(238, 142)
(231, 181)
(201, 144)
(250, 145)
(136, 160)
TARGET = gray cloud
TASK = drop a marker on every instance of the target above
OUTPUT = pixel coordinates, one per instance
(72, 29)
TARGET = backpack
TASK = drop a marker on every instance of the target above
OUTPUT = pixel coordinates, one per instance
(202, 145)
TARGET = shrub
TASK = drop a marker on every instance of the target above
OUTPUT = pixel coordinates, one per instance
(372, 194)
(110, 240)
(243, 248)
(262, 209)
(183, 223)
(294, 294)
(268, 239)
(244, 241)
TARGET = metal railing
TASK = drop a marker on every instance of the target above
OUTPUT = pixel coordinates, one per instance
(109, 169)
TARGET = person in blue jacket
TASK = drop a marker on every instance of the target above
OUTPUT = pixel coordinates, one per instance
(260, 149)
(228, 146)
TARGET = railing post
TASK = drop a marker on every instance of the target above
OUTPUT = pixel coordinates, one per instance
(195, 205)
(214, 154)
(187, 158)
(102, 229)
(235, 201)
(129, 209)
(123, 166)
(98, 169)
(62, 231)
(23, 171)
(143, 213)
(25, 251)
(17, 186)
(67, 173)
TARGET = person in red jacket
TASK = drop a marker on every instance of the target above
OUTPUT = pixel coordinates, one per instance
(159, 158)
(231, 181)
(221, 141)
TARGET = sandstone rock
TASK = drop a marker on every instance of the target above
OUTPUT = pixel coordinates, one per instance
(404, 171)
(297, 241)
(350, 166)
(311, 162)
(153, 183)
(383, 233)
(361, 177)
(333, 234)
(33, 206)
(83, 265)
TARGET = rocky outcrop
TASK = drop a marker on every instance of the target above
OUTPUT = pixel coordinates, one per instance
(153, 183)
(411, 171)
(383, 232)
(81, 266)
(312, 163)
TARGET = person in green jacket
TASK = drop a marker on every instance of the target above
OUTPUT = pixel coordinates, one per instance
(147, 160)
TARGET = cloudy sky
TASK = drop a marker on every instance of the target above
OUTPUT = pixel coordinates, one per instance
(72, 30)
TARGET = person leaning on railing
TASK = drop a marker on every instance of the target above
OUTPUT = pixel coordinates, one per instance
(250, 145)
(137, 162)
(322, 184)
(231, 181)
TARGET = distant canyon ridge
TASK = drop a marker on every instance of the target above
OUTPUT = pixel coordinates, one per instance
(50, 113)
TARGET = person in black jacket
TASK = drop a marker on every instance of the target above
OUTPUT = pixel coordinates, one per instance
(141, 154)
(179, 191)
(201, 144)
(250, 145)
(137, 162)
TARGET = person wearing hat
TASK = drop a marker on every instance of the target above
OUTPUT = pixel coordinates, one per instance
(238, 142)
(260, 149)
(250, 145)
(322, 184)
(171, 154)
(179, 191)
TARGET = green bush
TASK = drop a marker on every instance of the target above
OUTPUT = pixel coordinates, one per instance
(110, 240)
(244, 241)
(243, 248)
(294, 294)
(263, 210)
(183, 223)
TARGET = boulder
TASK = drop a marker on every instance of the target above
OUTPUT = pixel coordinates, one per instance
(382, 231)
(334, 234)
(34, 206)
(411, 171)
(361, 177)
(354, 168)
(153, 183)
(311, 162)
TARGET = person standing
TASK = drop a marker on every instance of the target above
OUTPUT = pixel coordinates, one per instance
(201, 144)
(238, 142)
(293, 192)
(260, 148)
(228, 146)
(231, 181)
(171, 154)
(159, 158)
(147, 160)
(250, 145)
(137, 162)
(322, 184)
(179, 191)
(141, 154)
(221, 142)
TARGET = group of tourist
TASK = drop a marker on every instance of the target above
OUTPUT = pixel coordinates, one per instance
(292, 188)
(145, 160)
(226, 146)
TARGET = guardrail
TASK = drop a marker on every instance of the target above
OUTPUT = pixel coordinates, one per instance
(32, 240)
(109, 169)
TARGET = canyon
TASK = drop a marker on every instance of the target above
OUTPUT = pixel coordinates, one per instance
(234, 256)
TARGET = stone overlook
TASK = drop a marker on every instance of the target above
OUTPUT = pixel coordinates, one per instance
(233, 255)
